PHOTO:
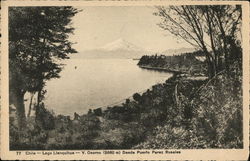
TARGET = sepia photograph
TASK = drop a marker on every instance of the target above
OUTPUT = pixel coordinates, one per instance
(125, 77)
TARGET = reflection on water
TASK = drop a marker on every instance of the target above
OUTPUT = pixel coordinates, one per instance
(91, 83)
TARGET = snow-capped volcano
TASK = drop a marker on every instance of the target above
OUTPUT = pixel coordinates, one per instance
(121, 44)
(119, 48)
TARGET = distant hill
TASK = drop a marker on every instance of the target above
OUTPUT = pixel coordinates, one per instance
(171, 52)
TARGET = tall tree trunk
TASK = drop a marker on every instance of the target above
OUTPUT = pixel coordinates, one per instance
(211, 69)
(38, 97)
(212, 39)
(30, 105)
(210, 63)
(18, 102)
(38, 101)
(223, 36)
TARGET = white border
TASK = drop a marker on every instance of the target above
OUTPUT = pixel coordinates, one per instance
(193, 154)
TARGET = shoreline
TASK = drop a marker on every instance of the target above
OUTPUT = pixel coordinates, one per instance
(120, 102)
(105, 107)
(161, 69)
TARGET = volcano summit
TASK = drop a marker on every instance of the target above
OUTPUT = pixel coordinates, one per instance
(119, 48)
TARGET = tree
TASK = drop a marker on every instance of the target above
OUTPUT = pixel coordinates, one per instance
(212, 29)
(38, 37)
(137, 97)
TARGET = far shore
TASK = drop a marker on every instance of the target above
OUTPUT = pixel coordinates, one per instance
(160, 69)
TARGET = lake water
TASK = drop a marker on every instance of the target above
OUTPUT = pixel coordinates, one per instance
(90, 83)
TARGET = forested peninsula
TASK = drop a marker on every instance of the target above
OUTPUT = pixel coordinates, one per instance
(186, 63)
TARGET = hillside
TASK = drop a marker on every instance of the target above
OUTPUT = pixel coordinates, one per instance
(184, 112)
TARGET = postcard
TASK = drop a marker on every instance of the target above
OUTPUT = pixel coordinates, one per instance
(124, 80)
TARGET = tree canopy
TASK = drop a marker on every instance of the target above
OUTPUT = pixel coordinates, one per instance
(38, 38)
(214, 29)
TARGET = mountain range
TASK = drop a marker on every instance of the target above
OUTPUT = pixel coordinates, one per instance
(121, 48)
(177, 51)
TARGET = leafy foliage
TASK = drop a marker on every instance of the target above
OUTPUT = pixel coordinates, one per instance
(38, 37)
(214, 29)
(207, 117)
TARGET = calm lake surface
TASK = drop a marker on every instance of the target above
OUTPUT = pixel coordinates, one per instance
(91, 83)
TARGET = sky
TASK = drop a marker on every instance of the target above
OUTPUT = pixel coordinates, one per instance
(100, 25)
